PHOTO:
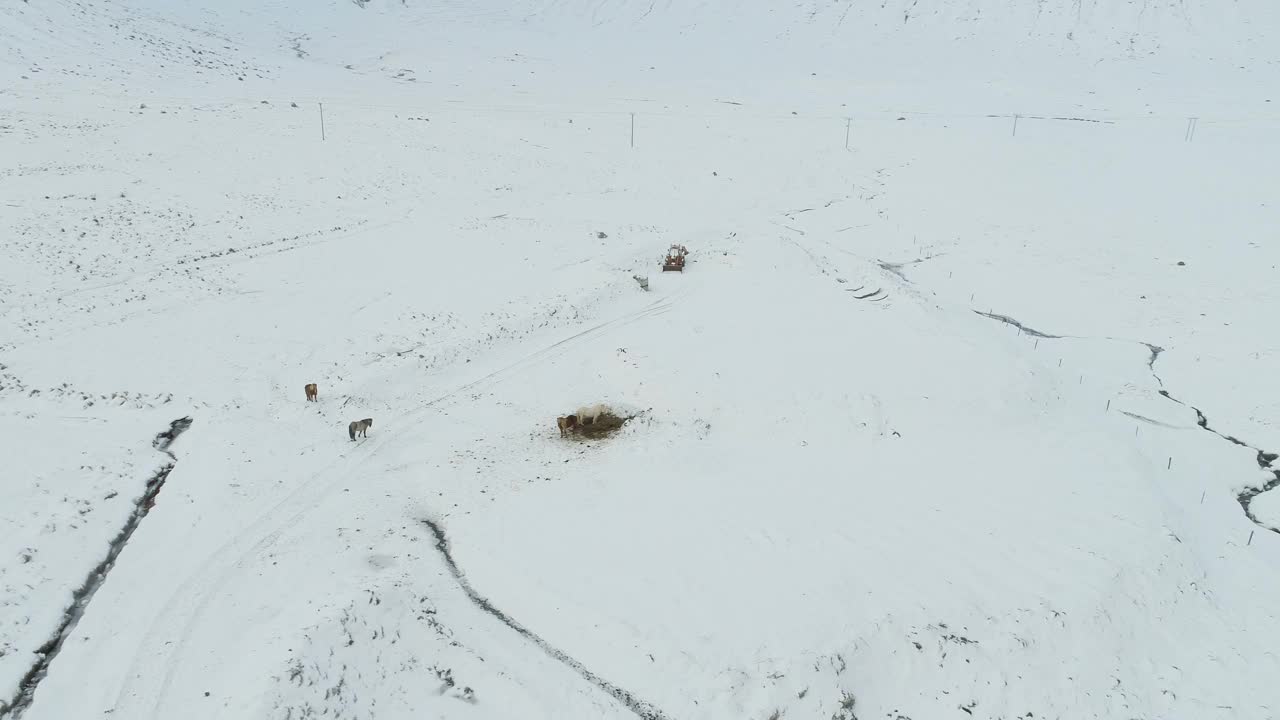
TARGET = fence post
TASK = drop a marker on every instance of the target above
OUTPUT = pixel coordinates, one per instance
(322, 121)
(847, 123)
(633, 130)
(1015, 126)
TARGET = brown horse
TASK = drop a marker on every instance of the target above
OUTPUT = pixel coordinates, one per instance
(566, 424)
(311, 392)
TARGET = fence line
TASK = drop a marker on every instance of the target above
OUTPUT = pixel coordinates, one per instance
(742, 111)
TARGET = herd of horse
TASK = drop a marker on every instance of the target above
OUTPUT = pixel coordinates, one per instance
(584, 416)
(359, 427)
(576, 422)
(588, 415)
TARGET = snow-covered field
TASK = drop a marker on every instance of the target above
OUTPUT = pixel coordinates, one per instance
(965, 406)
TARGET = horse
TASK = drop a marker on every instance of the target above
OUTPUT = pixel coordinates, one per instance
(311, 392)
(360, 427)
(567, 423)
(590, 414)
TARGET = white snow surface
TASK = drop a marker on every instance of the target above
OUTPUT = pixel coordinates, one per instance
(964, 406)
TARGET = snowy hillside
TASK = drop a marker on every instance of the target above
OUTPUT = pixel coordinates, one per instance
(1138, 57)
(965, 406)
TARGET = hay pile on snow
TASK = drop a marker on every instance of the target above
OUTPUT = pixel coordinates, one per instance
(598, 421)
(605, 424)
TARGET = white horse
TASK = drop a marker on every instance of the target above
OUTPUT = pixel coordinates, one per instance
(589, 414)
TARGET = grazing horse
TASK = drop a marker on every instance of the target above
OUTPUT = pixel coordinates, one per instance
(312, 392)
(590, 414)
(360, 427)
(566, 424)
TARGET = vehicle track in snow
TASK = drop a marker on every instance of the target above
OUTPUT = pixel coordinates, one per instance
(198, 591)
(30, 683)
(642, 709)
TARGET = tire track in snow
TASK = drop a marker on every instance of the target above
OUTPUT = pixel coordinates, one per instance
(30, 682)
(642, 709)
(1266, 460)
(268, 528)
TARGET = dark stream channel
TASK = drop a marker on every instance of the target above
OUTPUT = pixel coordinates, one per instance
(16, 706)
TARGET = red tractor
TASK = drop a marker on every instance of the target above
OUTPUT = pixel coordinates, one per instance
(675, 258)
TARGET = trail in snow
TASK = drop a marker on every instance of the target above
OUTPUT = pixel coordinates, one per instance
(641, 708)
(14, 709)
(267, 529)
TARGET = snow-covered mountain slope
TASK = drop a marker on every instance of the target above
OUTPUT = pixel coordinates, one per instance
(952, 414)
(1186, 57)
